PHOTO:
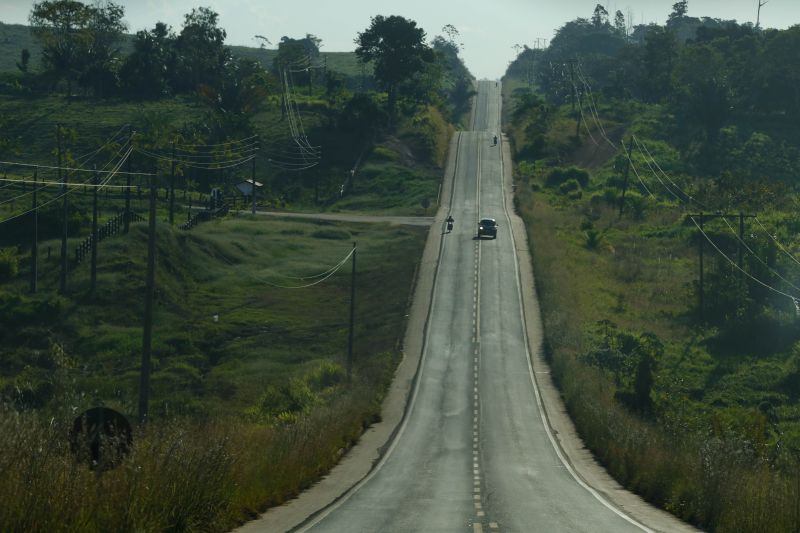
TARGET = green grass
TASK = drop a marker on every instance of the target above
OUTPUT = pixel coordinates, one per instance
(264, 333)
(226, 437)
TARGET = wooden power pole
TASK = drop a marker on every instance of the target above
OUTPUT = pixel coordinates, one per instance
(149, 295)
(352, 316)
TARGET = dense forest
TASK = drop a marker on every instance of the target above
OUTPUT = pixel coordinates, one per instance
(660, 164)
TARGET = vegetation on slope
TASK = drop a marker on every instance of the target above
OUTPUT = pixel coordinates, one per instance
(698, 412)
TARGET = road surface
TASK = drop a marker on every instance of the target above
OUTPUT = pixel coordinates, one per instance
(473, 453)
(475, 450)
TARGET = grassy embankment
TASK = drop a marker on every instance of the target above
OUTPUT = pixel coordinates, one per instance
(246, 411)
(713, 437)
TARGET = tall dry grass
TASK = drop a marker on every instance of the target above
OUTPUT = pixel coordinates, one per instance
(179, 476)
(719, 481)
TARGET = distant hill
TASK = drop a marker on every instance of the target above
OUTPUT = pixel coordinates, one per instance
(13, 39)
(16, 37)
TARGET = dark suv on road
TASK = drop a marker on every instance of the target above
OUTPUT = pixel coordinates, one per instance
(487, 226)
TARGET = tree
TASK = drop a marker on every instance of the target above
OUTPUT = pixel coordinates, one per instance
(24, 60)
(105, 30)
(60, 26)
(619, 24)
(600, 16)
(145, 72)
(398, 49)
(679, 11)
(661, 48)
(201, 51)
(236, 96)
(293, 54)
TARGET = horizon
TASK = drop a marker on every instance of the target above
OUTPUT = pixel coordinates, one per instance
(486, 51)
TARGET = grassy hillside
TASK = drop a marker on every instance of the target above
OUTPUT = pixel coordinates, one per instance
(236, 351)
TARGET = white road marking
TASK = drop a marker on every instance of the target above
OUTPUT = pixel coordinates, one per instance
(477, 527)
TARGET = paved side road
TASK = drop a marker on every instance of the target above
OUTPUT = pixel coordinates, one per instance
(345, 217)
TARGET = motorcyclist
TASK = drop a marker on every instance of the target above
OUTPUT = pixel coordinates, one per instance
(450, 222)
(495, 140)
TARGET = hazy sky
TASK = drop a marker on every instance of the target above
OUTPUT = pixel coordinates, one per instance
(489, 28)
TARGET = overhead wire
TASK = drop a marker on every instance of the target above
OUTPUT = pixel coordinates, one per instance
(750, 250)
(62, 183)
(775, 240)
(65, 193)
(651, 163)
(737, 267)
(327, 275)
(649, 158)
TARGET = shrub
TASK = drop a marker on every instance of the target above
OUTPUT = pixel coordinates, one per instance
(594, 238)
(559, 175)
(331, 234)
(569, 186)
(9, 263)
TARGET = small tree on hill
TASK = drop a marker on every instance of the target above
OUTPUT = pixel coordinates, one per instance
(600, 15)
(679, 10)
(60, 26)
(398, 49)
(201, 50)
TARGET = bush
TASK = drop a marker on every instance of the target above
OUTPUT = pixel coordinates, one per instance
(558, 176)
(9, 263)
(331, 234)
(569, 186)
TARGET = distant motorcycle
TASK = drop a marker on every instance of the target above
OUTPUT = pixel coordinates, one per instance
(449, 227)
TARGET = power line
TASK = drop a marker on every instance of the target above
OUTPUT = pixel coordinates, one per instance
(74, 185)
(737, 267)
(750, 250)
(775, 240)
(70, 169)
(327, 275)
(64, 194)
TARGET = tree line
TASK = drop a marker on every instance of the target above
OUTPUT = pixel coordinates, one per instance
(709, 74)
(86, 46)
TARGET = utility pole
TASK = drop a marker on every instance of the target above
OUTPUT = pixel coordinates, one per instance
(149, 294)
(578, 114)
(253, 179)
(627, 173)
(352, 316)
(310, 71)
(127, 216)
(701, 252)
(702, 279)
(572, 81)
(761, 3)
(740, 254)
(172, 188)
(34, 238)
(93, 276)
(62, 280)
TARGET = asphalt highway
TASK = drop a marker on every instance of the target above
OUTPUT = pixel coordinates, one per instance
(474, 453)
